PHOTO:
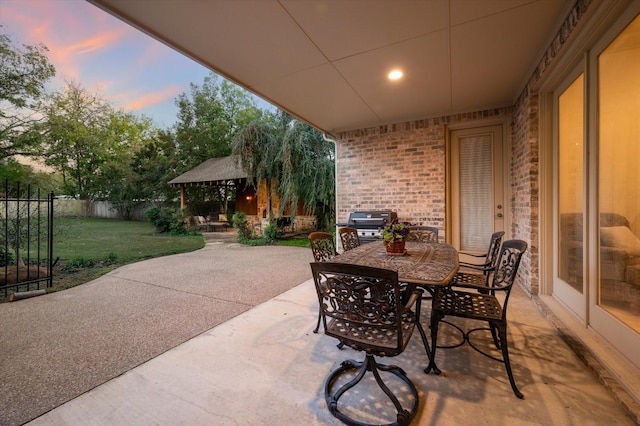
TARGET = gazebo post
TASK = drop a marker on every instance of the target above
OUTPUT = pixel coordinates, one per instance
(183, 197)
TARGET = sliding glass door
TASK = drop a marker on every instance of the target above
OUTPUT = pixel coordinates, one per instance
(616, 299)
(597, 191)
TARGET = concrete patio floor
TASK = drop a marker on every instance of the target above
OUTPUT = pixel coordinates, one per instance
(266, 367)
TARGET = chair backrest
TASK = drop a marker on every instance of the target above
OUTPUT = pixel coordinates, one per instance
(494, 248)
(322, 246)
(426, 234)
(362, 307)
(349, 238)
(506, 269)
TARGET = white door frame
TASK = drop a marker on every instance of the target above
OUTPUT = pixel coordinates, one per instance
(452, 225)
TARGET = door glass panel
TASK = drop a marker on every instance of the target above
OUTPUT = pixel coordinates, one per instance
(476, 192)
(619, 176)
(571, 184)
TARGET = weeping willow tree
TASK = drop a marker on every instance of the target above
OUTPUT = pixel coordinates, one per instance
(293, 161)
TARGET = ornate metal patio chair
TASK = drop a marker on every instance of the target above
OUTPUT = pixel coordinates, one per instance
(427, 234)
(322, 246)
(323, 249)
(478, 274)
(473, 305)
(349, 238)
(362, 308)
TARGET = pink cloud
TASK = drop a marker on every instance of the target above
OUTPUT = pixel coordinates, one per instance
(95, 42)
(154, 98)
(66, 36)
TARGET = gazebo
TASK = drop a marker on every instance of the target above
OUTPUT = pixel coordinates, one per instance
(221, 171)
(225, 171)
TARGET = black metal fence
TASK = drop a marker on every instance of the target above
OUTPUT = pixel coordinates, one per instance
(26, 239)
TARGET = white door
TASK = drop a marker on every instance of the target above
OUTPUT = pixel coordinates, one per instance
(477, 186)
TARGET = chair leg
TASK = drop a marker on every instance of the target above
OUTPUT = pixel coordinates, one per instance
(494, 334)
(319, 319)
(502, 332)
(423, 335)
(436, 316)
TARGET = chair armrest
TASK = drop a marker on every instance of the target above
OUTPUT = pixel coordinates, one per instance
(480, 266)
(415, 296)
(472, 254)
(484, 268)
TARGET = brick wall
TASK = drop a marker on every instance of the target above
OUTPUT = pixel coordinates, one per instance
(523, 167)
(399, 167)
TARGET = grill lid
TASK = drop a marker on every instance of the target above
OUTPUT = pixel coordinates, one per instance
(371, 219)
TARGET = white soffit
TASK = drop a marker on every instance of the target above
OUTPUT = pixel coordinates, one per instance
(326, 61)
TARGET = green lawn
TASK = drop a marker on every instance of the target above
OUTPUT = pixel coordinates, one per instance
(126, 241)
(89, 248)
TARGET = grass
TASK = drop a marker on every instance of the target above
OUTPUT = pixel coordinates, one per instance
(295, 242)
(125, 241)
(89, 248)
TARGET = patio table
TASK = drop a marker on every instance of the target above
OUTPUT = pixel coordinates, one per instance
(427, 265)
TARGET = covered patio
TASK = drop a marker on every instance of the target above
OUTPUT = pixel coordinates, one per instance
(267, 367)
(513, 92)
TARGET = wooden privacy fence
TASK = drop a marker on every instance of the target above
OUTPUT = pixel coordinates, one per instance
(97, 209)
(26, 239)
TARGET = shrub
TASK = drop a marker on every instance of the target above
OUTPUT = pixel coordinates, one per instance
(245, 230)
(271, 232)
(166, 220)
(6, 257)
(247, 236)
(78, 263)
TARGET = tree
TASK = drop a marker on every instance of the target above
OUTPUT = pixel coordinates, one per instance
(23, 74)
(77, 139)
(117, 180)
(291, 159)
(154, 165)
(308, 171)
(209, 118)
(13, 173)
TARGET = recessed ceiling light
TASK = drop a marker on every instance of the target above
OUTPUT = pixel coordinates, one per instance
(395, 75)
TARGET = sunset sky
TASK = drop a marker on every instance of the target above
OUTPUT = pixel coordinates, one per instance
(105, 55)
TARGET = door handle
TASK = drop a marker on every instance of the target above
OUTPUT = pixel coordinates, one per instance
(499, 215)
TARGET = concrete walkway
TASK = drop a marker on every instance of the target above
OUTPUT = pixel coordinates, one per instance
(58, 346)
(262, 365)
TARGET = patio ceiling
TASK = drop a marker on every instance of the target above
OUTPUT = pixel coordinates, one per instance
(327, 61)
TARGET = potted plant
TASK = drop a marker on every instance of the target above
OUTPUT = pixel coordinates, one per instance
(395, 234)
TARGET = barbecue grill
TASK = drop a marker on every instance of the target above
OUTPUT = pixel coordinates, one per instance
(369, 223)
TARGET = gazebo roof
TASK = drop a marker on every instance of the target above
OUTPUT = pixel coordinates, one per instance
(212, 172)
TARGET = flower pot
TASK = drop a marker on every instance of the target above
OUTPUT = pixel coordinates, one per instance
(396, 247)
